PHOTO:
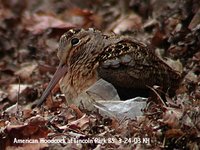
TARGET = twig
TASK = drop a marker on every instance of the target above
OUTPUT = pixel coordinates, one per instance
(18, 95)
(157, 95)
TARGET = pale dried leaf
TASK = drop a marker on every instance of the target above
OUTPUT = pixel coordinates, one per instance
(44, 22)
(26, 71)
(15, 89)
(83, 122)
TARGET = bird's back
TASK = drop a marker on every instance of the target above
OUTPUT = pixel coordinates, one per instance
(129, 64)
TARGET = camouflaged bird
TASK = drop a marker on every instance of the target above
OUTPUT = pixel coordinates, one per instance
(87, 54)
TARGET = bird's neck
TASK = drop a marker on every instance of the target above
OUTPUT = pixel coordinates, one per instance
(76, 81)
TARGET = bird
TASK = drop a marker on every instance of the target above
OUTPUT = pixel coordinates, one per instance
(87, 55)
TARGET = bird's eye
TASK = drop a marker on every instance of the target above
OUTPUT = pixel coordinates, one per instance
(75, 41)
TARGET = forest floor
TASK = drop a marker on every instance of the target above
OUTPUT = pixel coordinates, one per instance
(29, 35)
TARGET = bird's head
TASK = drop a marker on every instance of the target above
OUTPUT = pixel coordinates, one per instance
(76, 44)
(77, 47)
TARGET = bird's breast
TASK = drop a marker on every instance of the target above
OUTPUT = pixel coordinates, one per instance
(74, 83)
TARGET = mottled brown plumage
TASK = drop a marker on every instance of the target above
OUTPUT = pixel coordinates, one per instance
(87, 55)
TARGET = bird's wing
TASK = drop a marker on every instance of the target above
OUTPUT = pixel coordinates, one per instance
(131, 64)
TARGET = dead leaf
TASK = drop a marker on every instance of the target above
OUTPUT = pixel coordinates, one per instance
(12, 109)
(36, 120)
(82, 123)
(175, 64)
(171, 117)
(77, 110)
(26, 71)
(195, 20)
(29, 146)
(158, 38)
(191, 77)
(126, 23)
(3, 95)
(82, 17)
(174, 133)
(44, 22)
(15, 89)
(31, 131)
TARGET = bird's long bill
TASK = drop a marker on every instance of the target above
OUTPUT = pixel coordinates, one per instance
(60, 72)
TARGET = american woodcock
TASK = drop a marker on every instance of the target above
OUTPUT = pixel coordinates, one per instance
(87, 55)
